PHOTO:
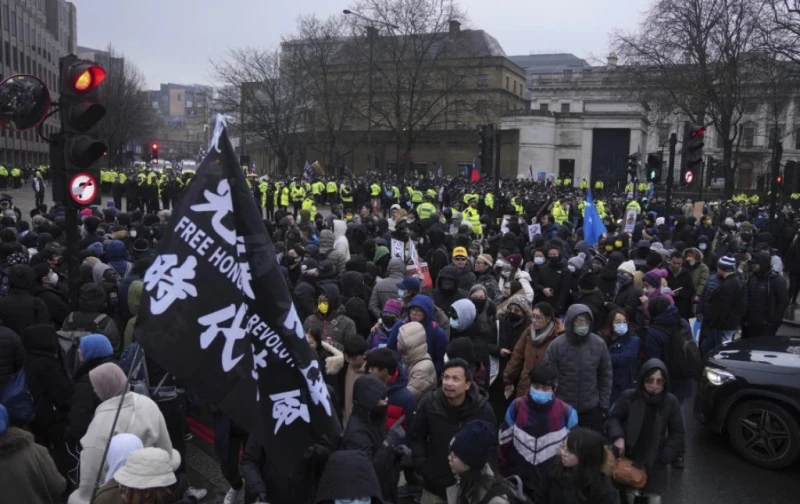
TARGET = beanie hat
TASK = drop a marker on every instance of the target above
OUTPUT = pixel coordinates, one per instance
(653, 259)
(653, 277)
(587, 282)
(461, 348)
(727, 263)
(473, 443)
(94, 346)
(476, 288)
(486, 258)
(394, 306)
(380, 252)
(515, 260)
(577, 261)
(627, 267)
(410, 283)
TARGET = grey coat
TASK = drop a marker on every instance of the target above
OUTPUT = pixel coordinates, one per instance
(583, 364)
(386, 288)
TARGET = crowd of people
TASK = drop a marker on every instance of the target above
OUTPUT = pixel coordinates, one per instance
(514, 365)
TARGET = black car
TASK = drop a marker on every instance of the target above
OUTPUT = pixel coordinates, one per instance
(751, 390)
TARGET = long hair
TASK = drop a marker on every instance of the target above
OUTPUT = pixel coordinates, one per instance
(472, 483)
(608, 328)
(595, 460)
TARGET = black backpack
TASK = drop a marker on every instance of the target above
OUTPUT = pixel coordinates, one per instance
(510, 488)
(683, 357)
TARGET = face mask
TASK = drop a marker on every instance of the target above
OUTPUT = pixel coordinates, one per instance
(479, 304)
(367, 500)
(448, 285)
(618, 244)
(571, 268)
(621, 278)
(53, 278)
(453, 323)
(581, 329)
(621, 329)
(401, 293)
(553, 260)
(513, 317)
(690, 262)
(322, 306)
(540, 397)
(702, 246)
(538, 260)
(648, 291)
(133, 234)
(388, 320)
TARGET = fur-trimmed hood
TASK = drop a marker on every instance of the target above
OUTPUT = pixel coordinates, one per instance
(14, 440)
(335, 360)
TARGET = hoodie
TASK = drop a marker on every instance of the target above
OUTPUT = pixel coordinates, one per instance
(444, 298)
(401, 400)
(19, 309)
(386, 288)
(583, 363)
(414, 350)
(348, 475)
(767, 295)
(333, 326)
(436, 338)
(657, 347)
(355, 306)
(339, 238)
(116, 257)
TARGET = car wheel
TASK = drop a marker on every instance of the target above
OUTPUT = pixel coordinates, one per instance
(764, 434)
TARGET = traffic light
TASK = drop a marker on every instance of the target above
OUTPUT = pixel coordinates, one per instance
(482, 140)
(633, 166)
(711, 170)
(692, 152)
(778, 180)
(154, 153)
(654, 165)
(81, 112)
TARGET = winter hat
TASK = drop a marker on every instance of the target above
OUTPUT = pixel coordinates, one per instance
(120, 447)
(394, 306)
(654, 258)
(149, 468)
(327, 270)
(473, 443)
(461, 348)
(727, 263)
(108, 381)
(410, 283)
(94, 346)
(515, 260)
(577, 261)
(486, 259)
(3, 420)
(587, 282)
(730, 223)
(627, 267)
(460, 252)
(653, 277)
(86, 212)
(96, 249)
(380, 252)
(465, 310)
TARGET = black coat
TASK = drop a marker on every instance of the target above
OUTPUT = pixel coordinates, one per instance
(305, 299)
(57, 306)
(595, 302)
(627, 299)
(792, 259)
(556, 277)
(84, 401)
(348, 475)
(654, 446)
(435, 424)
(47, 378)
(19, 309)
(685, 296)
(12, 354)
(726, 305)
(559, 487)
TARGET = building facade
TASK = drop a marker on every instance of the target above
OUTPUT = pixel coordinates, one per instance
(184, 119)
(34, 34)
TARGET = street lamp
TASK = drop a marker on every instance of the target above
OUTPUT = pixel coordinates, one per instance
(371, 33)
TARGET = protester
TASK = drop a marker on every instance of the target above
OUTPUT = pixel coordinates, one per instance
(470, 453)
(383, 364)
(623, 349)
(119, 448)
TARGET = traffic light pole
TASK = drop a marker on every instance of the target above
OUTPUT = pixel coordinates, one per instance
(59, 169)
(774, 186)
(673, 141)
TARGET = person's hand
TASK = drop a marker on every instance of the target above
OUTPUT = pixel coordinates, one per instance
(644, 300)
(548, 292)
(505, 352)
(620, 446)
(509, 390)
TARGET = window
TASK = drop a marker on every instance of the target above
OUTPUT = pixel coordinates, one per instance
(507, 82)
(567, 74)
(515, 87)
(565, 108)
(797, 137)
(5, 16)
(663, 133)
(460, 106)
(14, 24)
(483, 81)
(773, 134)
(750, 108)
(482, 107)
(544, 107)
(748, 134)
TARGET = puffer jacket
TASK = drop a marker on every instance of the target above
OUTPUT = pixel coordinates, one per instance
(421, 371)
(528, 352)
(524, 278)
(334, 255)
(12, 355)
(335, 325)
(386, 288)
(699, 271)
(436, 338)
(657, 347)
(340, 240)
(584, 366)
(767, 294)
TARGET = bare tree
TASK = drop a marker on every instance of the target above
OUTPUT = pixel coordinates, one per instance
(424, 68)
(328, 60)
(266, 96)
(692, 57)
(129, 113)
(782, 33)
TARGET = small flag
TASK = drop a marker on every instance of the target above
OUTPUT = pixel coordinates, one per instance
(216, 313)
(593, 227)
(307, 171)
(475, 176)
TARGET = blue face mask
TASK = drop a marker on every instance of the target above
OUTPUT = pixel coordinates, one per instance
(366, 500)
(453, 323)
(401, 293)
(621, 329)
(621, 278)
(540, 397)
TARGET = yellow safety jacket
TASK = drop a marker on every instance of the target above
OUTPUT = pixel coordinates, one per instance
(375, 190)
(263, 186)
(601, 208)
(330, 187)
(416, 197)
(425, 210)
(634, 205)
(489, 201)
(471, 214)
(346, 193)
(560, 215)
(298, 194)
(599, 184)
(308, 204)
(584, 184)
(558, 181)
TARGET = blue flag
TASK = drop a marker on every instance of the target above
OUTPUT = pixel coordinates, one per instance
(593, 226)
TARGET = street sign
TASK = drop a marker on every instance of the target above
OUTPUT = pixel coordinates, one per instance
(83, 188)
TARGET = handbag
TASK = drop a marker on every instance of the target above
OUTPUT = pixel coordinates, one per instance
(494, 362)
(629, 474)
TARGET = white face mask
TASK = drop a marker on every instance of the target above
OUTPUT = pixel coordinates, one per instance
(538, 260)
(571, 268)
(53, 278)
(133, 234)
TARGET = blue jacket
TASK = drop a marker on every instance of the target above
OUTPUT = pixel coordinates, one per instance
(624, 353)
(656, 348)
(435, 335)
(401, 400)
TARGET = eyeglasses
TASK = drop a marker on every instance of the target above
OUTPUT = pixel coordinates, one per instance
(459, 258)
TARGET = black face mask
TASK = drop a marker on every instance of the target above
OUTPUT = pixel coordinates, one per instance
(479, 304)
(448, 285)
(553, 260)
(388, 320)
(514, 318)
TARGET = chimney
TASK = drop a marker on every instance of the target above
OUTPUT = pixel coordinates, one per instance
(454, 26)
(612, 60)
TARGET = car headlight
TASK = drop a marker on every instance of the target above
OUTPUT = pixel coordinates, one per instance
(718, 376)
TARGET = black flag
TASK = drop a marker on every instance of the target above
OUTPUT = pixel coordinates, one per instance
(216, 313)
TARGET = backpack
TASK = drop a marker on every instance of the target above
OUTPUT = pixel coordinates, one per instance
(18, 400)
(70, 339)
(683, 357)
(510, 488)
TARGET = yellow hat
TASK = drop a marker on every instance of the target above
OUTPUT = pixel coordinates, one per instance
(459, 252)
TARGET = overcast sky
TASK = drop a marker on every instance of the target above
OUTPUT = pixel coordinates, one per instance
(173, 40)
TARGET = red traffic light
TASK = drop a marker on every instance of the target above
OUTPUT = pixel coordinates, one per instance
(779, 179)
(699, 131)
(155, 146)
(85, 77)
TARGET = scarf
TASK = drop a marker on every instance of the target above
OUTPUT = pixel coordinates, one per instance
(539, 337)
(108, 380)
